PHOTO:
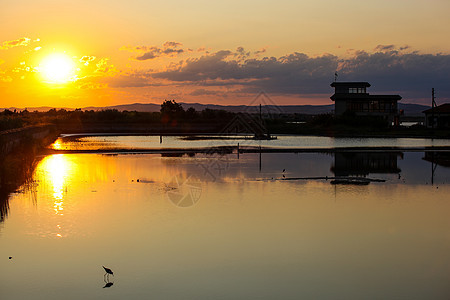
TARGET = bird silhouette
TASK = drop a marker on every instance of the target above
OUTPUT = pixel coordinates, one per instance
(284, 170)
(108, 271)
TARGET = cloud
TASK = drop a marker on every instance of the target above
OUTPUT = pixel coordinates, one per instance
(91, 85)
(260, 51)
(148, 55)
(87, 59)
(15, 43)
(172, 44)
(4, 77)
(205, 92)
(170, 49)
(384, 47)
(410, 74)
(389, 69)
(388, 48)
(104, 68)
(292, 74)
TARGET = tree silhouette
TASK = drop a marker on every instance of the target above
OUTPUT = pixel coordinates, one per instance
(172, 109)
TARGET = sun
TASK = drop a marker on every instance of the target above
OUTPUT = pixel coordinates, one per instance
(57, 68)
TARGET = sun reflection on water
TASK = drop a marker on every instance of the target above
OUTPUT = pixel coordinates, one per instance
(57, 170)
(57, 145)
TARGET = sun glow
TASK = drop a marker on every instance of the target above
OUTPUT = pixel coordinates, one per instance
(57, 68)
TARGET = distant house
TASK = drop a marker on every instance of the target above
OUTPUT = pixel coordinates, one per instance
(353, 97)
(438, 117)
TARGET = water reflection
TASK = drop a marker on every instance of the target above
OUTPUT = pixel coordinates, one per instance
(437, 159)
(261, 238)
(16, 170)
(365, 163)
(283, 141)
(57, 168)
(108, 283)
(55, 173)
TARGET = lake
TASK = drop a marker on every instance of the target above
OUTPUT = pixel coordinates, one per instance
(248, 226)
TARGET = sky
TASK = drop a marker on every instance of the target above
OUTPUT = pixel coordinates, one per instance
(98, 53)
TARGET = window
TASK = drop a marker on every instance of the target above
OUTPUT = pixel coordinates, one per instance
(355, 106)
(374, 105)
(357, 90)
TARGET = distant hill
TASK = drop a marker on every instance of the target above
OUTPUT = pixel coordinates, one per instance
(413, 109)
(409, 109)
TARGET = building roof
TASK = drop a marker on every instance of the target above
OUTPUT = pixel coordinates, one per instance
(350, 84)
(443, 108)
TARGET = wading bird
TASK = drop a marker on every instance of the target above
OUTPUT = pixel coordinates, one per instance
(108, 271)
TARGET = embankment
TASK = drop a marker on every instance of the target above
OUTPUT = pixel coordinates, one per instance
(18, 149)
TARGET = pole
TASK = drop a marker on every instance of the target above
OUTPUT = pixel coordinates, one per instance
(433, 105)
(260, 160)
(260, 114)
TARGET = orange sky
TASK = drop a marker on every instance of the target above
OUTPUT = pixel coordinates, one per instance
(222, 53)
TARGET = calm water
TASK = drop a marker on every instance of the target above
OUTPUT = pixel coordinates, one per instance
(219, 227)
(282, 141)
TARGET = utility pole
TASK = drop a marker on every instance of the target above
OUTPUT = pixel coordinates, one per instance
(433, 105)
(260, 114)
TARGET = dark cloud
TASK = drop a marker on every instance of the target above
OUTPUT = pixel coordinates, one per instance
(169, 51)
(148, 55)
(260, 51)
(389, 69)
(292, 74)
(172, 44)
(412, 75)
(384, 47)
(152, 52)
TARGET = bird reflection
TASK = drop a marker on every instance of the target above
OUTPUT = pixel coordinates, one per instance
(108, 283)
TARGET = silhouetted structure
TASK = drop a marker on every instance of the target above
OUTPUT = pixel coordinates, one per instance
(438, 117)
(353, 97)
(364, 163)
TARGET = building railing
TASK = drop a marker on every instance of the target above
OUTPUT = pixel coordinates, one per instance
(380, 110)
